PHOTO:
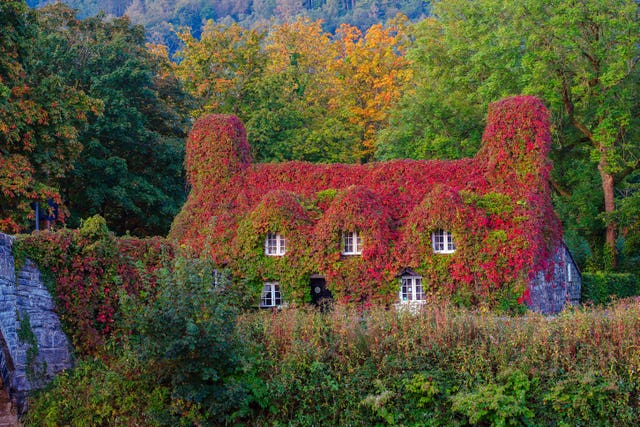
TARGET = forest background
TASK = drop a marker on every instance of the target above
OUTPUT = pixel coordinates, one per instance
(93, 117)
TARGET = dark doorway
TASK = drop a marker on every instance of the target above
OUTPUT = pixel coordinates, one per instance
(320, 295)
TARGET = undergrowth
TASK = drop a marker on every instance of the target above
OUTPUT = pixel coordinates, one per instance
(440, 365)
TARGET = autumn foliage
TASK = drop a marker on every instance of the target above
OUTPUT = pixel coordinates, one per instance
(497, 206)
(88, 270)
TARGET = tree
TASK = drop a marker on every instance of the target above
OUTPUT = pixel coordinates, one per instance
(581, 57)
(185, 335)
(373, 70)
(303, 93)
(281, 83)
(131, 168)
(301, 88)
(41, 116)
(219, 68)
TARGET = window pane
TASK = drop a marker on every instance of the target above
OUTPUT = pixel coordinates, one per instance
(268, 298)
(276, 295)
(406, 290)
(438, 241)
(270, 244)
(347, 243)
(419, 292)
(442, 241)
(275, 244)
(450, 245)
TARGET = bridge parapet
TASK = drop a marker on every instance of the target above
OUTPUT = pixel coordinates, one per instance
(33, 347)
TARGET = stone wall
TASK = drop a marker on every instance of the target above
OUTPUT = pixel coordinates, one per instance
(558, 286)
(33, 346)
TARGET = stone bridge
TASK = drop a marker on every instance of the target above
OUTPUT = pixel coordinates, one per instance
(33, 347)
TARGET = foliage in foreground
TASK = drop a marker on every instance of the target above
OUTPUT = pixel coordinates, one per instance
(175, 362)
(438, 366)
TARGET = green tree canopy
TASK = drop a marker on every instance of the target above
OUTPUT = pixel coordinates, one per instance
(581, 57)
(130, 171)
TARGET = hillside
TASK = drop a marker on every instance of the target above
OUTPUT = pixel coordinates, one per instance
(160, 17)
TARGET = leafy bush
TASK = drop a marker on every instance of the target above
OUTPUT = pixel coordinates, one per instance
(180, 362)
(99, 393)
(590, 398)
(188, 360)
(600, 286)
(185, 334)
(445, 366)
(499, 403)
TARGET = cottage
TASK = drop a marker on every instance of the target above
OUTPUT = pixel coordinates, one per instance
(477, 230)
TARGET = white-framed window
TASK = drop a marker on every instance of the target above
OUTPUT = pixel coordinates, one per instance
(351, 243)
(275, 244)
(271, 295)
(569, 272)
(442, 242)
(411, 289)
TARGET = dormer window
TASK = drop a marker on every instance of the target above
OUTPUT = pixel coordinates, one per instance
(275, 245)
(270, 295)
(442, 242)
(351, 243)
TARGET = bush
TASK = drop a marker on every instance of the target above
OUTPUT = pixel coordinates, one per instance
(96, 393)
(185, 335)
(179, 363)
(600, 286)
(86, 270)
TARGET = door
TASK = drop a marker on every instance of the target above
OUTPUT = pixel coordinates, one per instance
(320, 295)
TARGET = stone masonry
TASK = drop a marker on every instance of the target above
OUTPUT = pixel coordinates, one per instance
(27, 317)
(557, 287)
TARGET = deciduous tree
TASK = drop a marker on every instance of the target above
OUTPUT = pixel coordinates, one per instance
(581, 56)
(131, 168)
(41, 116)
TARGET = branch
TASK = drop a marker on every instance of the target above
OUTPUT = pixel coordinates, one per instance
(568, 106)
(559, 189)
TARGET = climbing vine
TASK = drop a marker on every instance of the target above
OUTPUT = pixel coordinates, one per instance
(497, 207)
(87, 269)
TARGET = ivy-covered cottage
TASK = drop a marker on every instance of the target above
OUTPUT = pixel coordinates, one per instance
(474, 230)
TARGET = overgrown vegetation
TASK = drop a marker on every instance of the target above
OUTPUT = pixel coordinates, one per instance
(496, 205)
(601, 287)
(175, 359)
(179, 350)
(441, 366)
(88, 270)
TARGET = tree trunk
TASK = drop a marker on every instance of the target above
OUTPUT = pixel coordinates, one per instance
(609, 207)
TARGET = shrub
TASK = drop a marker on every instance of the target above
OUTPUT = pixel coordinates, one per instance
(179, 363)
(500, 403)
(97, 393)
(190, 361)
(600, 286)
(185, 335)
(86, 270)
